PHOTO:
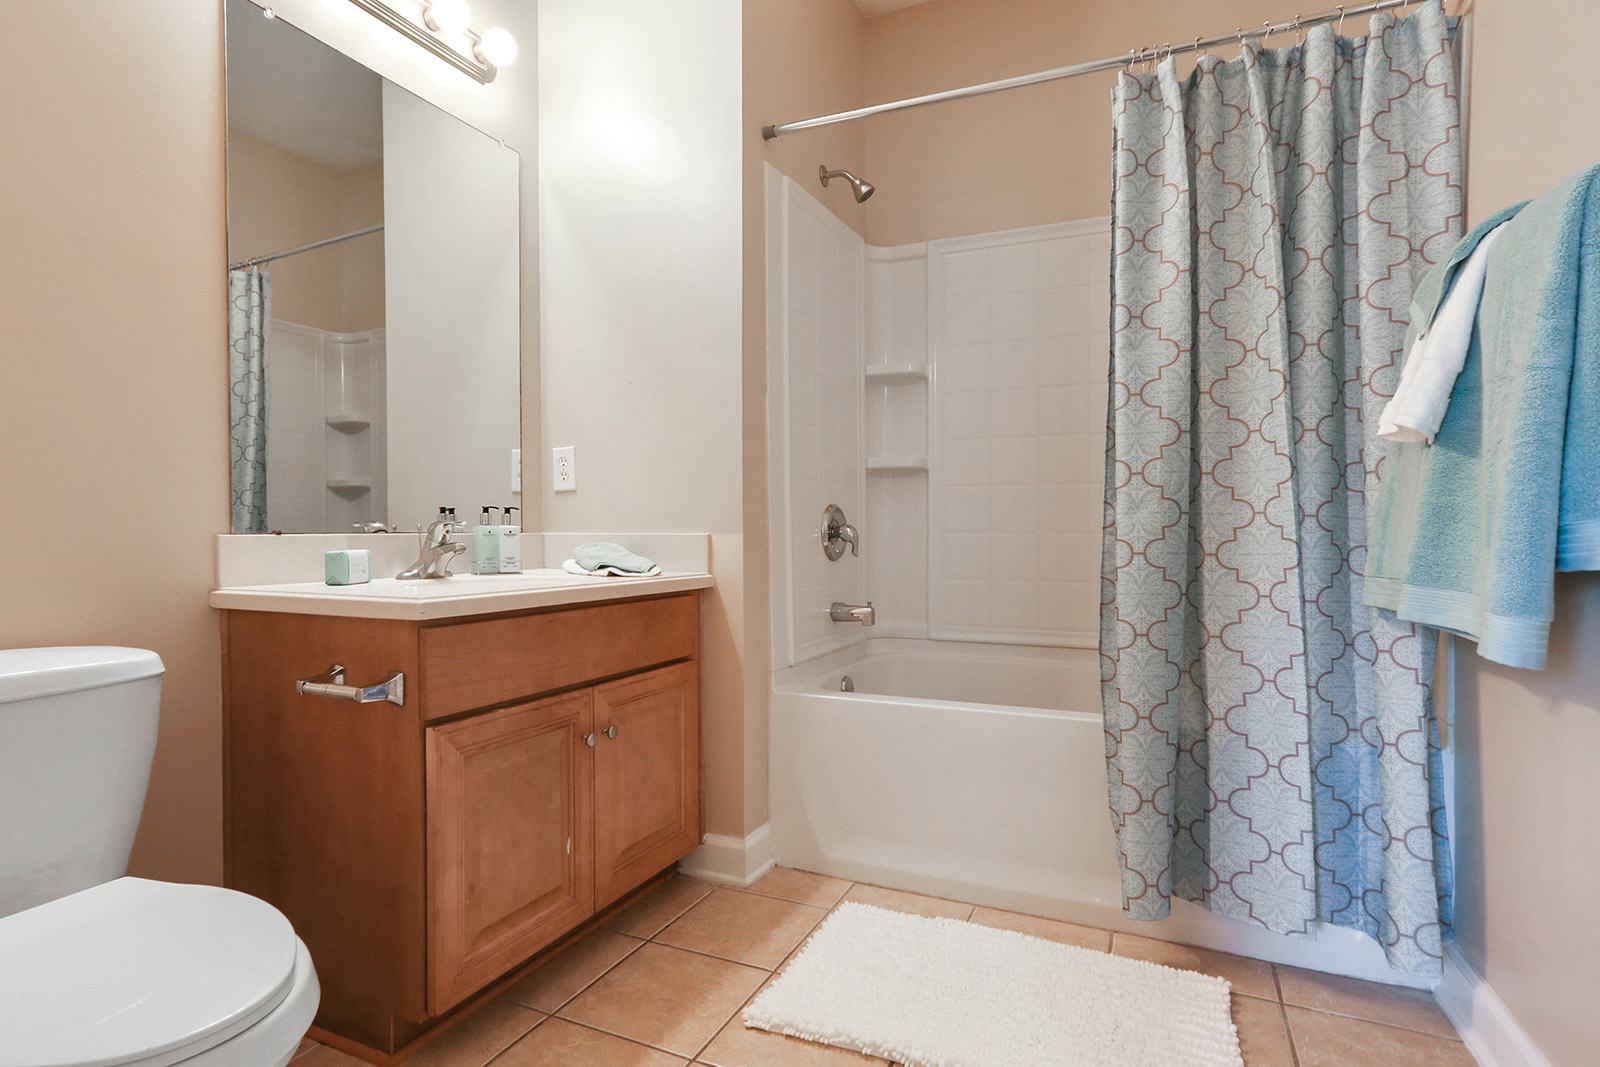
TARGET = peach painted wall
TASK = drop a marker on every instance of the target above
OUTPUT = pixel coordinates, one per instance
(1019, 158)
(640, 239)
(113, 341)
(113, 376)
(279, 200)
(1528, 807)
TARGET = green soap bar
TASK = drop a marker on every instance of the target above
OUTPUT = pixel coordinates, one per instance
(349, 566)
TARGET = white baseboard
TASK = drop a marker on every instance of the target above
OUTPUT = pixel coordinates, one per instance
(1484, 1022)
(732, 860)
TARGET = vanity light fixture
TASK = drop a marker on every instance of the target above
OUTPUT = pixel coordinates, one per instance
(440, 26)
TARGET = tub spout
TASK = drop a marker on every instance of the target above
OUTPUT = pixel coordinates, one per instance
(862, 613)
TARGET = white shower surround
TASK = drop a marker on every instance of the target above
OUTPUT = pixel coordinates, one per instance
(970, 760)
(314, 378)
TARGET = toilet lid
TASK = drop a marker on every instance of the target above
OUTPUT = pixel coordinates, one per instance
(131, 969)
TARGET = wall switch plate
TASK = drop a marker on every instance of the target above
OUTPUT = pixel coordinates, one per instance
(564, 468)
(516, 470)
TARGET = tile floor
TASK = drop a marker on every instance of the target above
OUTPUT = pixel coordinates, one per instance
(662, 984)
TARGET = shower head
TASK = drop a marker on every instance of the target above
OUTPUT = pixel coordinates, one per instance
(860, 188)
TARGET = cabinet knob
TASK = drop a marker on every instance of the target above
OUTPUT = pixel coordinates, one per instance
(591, 739)
(611, 732)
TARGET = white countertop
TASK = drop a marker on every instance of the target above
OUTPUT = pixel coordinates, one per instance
(448, 598)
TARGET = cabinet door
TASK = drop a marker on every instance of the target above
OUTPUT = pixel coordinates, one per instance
(647, 777)
(510, 851)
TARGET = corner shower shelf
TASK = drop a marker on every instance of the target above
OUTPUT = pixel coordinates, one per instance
(896, 464)
(348, 423)
(892, 373)
(349, 487)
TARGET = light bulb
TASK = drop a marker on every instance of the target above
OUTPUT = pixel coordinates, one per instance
(448, 16)
(498, 47)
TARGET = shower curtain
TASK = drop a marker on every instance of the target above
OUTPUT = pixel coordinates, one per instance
(248, 292)
(1272, 748)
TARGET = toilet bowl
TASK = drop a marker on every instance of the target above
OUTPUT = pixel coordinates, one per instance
(102, 970)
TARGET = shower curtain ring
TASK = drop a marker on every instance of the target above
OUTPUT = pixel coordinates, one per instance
(1339, 30)
(1301, 30)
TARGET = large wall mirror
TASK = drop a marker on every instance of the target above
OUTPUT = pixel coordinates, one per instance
(374, 361)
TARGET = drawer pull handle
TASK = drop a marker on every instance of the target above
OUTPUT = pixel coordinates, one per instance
(331, 684)
(591, 739)
(611, 732)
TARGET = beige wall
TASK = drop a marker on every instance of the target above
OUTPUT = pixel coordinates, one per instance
(1019, 158)
(1528, 808)
(113, 382)
(360, 206)
(640, 231)
(113, 376)
(278, 200)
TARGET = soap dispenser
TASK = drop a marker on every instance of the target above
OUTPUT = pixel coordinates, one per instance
(486, 544)
(510, 542)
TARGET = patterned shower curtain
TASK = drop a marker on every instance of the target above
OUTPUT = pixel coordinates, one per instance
(248, 292)
(1272, 748)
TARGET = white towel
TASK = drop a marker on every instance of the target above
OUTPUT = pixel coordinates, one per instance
(571, 566)
(1434, 362)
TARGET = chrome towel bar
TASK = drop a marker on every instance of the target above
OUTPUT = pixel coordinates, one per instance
(331, 684)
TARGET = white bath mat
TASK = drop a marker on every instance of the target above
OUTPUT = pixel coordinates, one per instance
(946, 993)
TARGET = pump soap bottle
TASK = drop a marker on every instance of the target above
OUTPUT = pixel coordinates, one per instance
(486, 544)
(510, 542)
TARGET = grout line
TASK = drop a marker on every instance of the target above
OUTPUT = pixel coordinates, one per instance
(1288, 1029)
(635, 1040)
(1377, 1022)
(1283, 1013)
(607, 970)
(543, 1018)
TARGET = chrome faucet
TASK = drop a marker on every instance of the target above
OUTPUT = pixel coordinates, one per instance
(862, 613)
(437, 551)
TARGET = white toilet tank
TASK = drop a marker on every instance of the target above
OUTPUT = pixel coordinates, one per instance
(77, 731)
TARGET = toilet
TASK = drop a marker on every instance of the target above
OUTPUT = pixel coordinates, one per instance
(97, 968)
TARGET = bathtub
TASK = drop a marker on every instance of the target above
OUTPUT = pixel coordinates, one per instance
(978, 772)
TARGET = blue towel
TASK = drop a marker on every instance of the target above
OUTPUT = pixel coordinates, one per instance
(1468, 532)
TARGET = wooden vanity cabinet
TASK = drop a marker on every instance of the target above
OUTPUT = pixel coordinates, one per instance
(544, 765)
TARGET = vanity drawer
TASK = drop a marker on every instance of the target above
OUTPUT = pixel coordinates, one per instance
(475, 664)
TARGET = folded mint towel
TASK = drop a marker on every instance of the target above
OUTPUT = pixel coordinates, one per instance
(1468, 532)
(604, 555)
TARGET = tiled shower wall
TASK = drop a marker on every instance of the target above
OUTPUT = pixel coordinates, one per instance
(950, 396)
(314, 375)
(1018, 338)
(814, 415)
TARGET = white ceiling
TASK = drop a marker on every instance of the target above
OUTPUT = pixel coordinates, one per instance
(289, 89)
(870, 8)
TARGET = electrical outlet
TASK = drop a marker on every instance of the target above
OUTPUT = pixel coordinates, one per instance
(564, 468)
(516, 470)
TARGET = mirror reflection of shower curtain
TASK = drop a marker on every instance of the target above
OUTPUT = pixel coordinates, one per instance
(248, 315)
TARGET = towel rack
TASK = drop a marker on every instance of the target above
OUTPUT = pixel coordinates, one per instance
(331, 684)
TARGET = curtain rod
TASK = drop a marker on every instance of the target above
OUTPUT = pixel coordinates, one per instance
(256, 261)
(1056, 74)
